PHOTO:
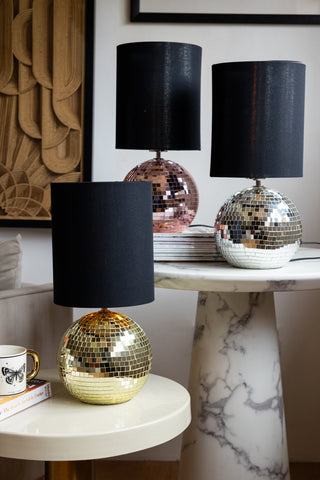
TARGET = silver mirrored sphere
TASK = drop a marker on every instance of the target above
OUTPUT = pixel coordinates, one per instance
(258, 228)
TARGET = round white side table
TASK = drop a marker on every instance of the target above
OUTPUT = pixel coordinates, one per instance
(238, 422)
(68, 434)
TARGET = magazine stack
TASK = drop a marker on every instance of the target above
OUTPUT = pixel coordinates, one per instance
(195, 244)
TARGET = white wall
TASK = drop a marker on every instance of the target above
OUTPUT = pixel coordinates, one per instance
(169, 320)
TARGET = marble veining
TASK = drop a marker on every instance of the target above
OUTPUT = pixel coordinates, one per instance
(280, 285)
(238, 427)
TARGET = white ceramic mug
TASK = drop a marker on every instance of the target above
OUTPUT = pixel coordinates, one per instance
(13, 369)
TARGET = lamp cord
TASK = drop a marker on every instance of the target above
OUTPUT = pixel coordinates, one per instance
(200, 225)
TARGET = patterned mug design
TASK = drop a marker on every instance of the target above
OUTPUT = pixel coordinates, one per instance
(12, 375)
(13, 370)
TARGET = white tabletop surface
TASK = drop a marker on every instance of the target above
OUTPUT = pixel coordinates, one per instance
(63, 428)
(222, 277)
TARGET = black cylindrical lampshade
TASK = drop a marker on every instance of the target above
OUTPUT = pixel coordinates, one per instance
(257, 119)
(158, 96)
(102, 240)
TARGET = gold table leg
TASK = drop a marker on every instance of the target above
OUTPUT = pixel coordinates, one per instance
(76, 470)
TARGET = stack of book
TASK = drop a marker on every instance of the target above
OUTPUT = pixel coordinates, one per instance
(37, 390)
(195, 244)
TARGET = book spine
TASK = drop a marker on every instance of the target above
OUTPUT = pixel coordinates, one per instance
(24, 401)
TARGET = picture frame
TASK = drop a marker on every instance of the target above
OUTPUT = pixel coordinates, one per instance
(138, 14)
(46, 97)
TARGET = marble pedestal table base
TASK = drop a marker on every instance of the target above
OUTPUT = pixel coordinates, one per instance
(238, 424)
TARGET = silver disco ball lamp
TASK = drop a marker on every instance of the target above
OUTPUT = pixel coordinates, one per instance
(257, 132)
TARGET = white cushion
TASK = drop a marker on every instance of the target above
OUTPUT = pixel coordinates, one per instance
(10, 263)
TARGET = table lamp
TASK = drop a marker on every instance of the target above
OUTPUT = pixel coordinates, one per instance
(158, 109)
(257, 132)
(103, 257)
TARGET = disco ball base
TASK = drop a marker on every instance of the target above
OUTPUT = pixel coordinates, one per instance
(175, 197)
(104, 358)
(258, 228)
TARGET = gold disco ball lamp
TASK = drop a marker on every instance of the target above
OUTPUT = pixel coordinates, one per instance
(103, 255)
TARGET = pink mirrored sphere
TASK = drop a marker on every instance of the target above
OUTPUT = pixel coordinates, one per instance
(175, 195)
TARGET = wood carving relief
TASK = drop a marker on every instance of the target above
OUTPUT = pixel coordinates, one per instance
(42, 50)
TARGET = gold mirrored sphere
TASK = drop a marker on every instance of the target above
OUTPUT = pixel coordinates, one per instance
(104, 358)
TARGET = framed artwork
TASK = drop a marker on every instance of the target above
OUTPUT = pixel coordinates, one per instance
(46, 82)
(292, 12)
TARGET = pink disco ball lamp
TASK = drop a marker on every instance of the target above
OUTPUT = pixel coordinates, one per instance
(158, 109)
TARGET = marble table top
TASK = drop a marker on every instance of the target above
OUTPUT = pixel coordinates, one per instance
(222, 277)
(63, 428)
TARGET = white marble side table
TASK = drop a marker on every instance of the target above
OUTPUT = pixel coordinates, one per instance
(238, 422)
(68, 434)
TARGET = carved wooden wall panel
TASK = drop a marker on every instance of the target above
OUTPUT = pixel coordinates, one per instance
(42, 73)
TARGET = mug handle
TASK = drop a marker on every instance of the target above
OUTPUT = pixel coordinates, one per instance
(36, 364)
